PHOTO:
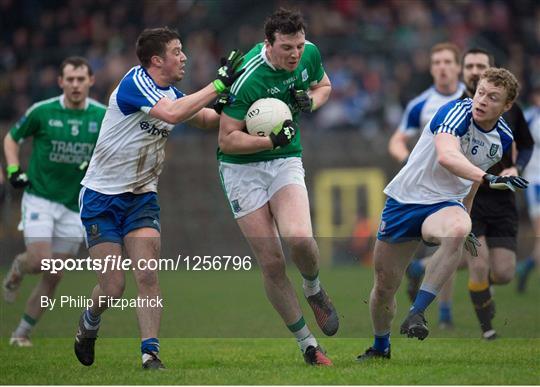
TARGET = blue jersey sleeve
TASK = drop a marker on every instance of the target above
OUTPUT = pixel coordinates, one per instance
(178, 93)
(505, 133)
(137, 91)
(410, 123)
(453, 118)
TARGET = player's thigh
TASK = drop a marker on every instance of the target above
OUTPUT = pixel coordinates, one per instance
(68, 232)
(37, 224)
(246, 186)
(448, 225)
(290, 207)
(261, 232)
(111, 281)
(390, 261)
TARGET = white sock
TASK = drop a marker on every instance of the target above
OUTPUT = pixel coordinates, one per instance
(305, 338)
(24, 329)
(311, 287)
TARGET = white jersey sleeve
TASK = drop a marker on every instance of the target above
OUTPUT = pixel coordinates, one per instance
(130, 150)
(422, 108)
(424, 181)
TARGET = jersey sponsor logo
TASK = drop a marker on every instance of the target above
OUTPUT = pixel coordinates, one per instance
(56, 123)
(68, 152)
(92, 127)
(290, 80)
(153, 130)
(305, 75)
(273, 90)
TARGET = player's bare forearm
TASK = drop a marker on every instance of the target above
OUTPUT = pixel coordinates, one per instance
(397, 146)
(11, 150)
(320, 92)
(238, 142)
(205, 119)
(451, 158)
(184, 108)
(233, 140)
(469, 199)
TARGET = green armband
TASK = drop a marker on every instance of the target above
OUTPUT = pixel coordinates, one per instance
(219, 86)
(11, 169)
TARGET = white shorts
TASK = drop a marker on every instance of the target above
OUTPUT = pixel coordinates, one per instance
(46, 221)
(250, 186)
(533, 199)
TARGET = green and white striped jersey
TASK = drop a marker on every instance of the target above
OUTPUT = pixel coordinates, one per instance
(262, 80)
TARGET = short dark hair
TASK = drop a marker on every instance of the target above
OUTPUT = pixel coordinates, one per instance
(285, 22)
(153, 41)
(76, 61)
(478, 50)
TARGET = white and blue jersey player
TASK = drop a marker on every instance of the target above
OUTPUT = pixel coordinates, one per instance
(430, 199)
(119, 191)
(118, 201)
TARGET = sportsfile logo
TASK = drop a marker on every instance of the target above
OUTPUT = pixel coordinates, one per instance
(153, 130)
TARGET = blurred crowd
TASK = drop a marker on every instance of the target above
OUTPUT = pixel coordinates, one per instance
(376, 53)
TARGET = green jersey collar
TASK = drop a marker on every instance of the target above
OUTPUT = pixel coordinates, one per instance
(265, 58)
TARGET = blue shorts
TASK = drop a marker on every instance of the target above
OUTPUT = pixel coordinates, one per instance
(403, 222)
(109, 218)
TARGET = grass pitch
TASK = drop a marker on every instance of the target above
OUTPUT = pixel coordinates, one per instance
(218, 328)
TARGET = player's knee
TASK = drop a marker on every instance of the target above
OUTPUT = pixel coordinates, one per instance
(273, 269)
(302, 244)
(53, 279)
(147, 279)
(114, 290)
(502, 277)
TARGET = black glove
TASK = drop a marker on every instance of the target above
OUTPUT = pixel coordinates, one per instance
(505, 182)
(283, 134)
(303, 101)
(221, 101)
(228, 72)
(472, 244)
(17, 177)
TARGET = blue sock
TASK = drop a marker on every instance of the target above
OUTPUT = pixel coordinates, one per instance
(150, 345)
(526, 265)
(91, 320)
(382, 342)
(445, 311)
(424, 297)
(415, 269)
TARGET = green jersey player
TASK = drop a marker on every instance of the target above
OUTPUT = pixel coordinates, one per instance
(263, 177)
(64, 130)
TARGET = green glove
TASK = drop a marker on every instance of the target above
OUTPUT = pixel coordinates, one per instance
(228, 72)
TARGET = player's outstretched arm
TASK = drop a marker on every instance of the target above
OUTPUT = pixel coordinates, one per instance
(233, 140)
(450, 157)
(397, 146)
(186, 107)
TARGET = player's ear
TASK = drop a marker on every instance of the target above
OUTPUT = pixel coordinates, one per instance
(92, 80)
(60, 82)
(156, 60)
